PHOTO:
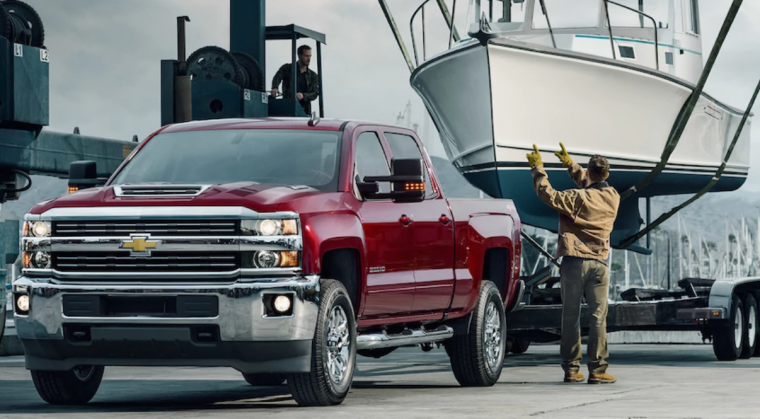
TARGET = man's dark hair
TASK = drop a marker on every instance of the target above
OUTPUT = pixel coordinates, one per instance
(598, 167)
(303, 48)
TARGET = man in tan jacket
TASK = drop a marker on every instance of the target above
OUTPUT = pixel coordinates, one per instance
(586, 218)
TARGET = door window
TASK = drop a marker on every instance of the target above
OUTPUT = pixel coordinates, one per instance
(371, 160)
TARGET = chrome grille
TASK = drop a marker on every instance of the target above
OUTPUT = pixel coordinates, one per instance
(156, 228)
(121, 262)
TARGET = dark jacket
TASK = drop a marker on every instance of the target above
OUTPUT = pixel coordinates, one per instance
(586, 216)
(285, 76)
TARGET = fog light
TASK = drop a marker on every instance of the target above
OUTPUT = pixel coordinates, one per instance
(282, 304)
(41, 260)
(22, 303)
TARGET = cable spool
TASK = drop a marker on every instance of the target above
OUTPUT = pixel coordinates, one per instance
(212, 63)
(20, 24)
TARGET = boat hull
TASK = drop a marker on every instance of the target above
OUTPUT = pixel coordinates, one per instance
(492, 102)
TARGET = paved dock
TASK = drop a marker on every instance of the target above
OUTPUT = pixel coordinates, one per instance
(655, 381)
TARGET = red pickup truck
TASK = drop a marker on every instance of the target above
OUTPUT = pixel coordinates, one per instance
(282, 248)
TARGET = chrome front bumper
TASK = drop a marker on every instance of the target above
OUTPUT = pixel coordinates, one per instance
(248, 339)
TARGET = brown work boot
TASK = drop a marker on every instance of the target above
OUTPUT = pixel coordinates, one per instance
(573, 378)
(601, 379)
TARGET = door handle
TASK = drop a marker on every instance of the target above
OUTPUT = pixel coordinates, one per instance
(444, 220)
(405, 221)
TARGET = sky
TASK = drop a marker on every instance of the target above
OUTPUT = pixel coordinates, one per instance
(105, 58)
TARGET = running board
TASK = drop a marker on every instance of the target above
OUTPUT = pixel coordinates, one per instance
(408, 337)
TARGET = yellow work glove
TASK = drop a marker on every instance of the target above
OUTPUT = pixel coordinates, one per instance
(564, 156)
(534, 158)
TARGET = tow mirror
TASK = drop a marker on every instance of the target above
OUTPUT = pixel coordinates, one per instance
(84, 175)
(407, 182)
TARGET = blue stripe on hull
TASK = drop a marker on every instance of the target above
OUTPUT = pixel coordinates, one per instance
(517, 185)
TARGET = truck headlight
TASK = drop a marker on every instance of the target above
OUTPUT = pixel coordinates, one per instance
(37, 229)
(269, 227)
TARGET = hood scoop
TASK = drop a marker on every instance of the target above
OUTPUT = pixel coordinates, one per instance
(159, 190)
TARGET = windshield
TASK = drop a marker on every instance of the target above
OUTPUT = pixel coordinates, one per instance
(281, 157)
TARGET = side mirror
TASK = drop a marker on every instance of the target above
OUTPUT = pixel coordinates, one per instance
(407, 182)
(84, 175)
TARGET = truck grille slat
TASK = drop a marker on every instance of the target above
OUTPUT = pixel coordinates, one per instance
(126, 228)
(120, 262)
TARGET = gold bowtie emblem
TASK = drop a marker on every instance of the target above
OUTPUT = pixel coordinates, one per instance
(140, 245)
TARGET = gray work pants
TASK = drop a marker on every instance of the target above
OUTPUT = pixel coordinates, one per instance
(589, 278)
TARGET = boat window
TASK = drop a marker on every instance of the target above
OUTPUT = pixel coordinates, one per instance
(692, 16)
(405, 147)
(622, 17)
(669, 58)
(370, 159)
(627, 52)
(564, 14)
(505, 11)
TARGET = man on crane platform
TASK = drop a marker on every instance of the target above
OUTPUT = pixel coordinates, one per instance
(586, 218)
(307, 82)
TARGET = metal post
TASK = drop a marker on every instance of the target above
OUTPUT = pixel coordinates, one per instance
(670, 250)
(609, 27)
(649, 221)
(397, 34)
(294, 76)
(248, 29)
(490, 10)
(548, 23)
(453, 28)
(424, 47)
(449, 18)
(319, 78)
(183, 100)
(181, 42)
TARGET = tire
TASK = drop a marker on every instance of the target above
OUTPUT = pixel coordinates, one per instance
(77, 386)
(727, 342)
(265, 380)
(751, 335)
(327, 384)
(520, 346)
(375, 353)
(757, 345)
(477, 358)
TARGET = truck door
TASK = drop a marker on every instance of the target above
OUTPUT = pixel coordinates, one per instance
(433, 236)
(388, 233)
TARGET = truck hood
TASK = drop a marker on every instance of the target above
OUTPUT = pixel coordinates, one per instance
(255, 196)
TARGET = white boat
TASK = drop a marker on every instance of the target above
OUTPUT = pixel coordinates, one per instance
(515, 82)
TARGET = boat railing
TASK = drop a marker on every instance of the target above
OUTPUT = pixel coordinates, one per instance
(641, 14)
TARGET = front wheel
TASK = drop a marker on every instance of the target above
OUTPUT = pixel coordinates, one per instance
(750, 327)
(333, 353)
(77, 386)
(477, 358)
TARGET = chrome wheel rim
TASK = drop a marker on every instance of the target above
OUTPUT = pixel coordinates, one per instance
(83, 373)
(738, 327)
(338, 345)
(492, 336)
(752, 326)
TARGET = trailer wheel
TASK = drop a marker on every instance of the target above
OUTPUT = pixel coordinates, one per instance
(333, 353)
(77, 386)
(727, 337)
(757, 344)
(750, 327)
(477, 358)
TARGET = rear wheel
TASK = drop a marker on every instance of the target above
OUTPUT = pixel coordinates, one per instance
(750, 329)
(333, 357)
(2, 320)
(77, 386)
(264, 380)
(727, 337)
(477, 358)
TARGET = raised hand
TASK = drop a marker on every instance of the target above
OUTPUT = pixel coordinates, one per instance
(563, 156)
(534, 158)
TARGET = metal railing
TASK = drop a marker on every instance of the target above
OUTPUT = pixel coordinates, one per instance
(641, 15)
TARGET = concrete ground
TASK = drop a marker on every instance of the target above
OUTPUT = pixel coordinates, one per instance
(674, 381)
